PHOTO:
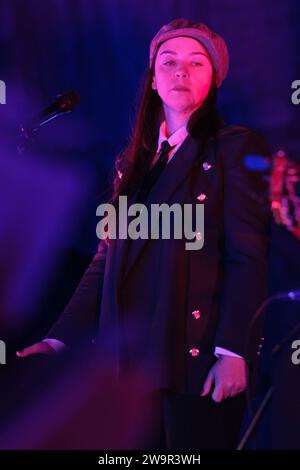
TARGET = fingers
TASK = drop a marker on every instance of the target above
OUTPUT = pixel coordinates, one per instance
(229, 377)
(207, 385)
(223, 391)
(36, 348)
(25, 352)
(238, 389)
(219, 393)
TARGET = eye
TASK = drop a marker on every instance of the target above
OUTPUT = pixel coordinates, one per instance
(169, 62)
(197, 64)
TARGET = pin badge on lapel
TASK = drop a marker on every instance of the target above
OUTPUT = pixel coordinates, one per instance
(202, 197)
(206, 166)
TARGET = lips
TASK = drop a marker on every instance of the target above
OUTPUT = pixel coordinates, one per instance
(180, 88)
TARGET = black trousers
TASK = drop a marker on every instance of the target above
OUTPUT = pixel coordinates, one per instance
(192, 422)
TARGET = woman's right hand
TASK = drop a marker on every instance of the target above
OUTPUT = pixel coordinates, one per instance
(37, 348)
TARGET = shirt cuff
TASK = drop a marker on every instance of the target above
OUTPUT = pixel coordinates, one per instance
(225, 352)
(55, 344)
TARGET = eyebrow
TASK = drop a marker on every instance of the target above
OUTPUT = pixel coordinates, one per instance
(175, 53)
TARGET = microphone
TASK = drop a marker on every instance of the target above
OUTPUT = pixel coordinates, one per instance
(64, 104)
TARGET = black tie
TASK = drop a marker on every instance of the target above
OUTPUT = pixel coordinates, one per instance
(154, 173)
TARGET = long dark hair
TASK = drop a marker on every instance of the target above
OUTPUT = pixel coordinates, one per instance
(134, 161)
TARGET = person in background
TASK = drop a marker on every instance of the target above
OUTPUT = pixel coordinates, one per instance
(279, 354)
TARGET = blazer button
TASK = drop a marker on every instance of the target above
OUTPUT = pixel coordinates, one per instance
(194, 352)
(202, 197)
(196, 314)
(206, 166)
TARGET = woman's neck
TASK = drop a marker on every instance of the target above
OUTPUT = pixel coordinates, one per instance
(175, 120)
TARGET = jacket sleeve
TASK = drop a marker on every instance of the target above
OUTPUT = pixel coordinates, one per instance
(246, 240)
(79, 320)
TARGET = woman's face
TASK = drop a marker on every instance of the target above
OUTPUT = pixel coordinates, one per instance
(183, 74)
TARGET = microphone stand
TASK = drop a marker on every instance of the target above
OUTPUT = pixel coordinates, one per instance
(276, 349)
(255, 419)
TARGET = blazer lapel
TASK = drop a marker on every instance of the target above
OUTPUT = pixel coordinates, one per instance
(175, 173)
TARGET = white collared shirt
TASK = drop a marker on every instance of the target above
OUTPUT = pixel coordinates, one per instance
(176, 139)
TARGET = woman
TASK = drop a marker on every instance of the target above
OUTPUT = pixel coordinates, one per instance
(181, 316)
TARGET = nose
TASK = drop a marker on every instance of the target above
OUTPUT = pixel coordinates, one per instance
(181, 72)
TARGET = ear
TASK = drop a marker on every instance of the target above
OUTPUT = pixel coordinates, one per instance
(153, 84)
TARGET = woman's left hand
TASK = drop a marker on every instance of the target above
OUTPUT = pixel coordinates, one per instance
(229, 376)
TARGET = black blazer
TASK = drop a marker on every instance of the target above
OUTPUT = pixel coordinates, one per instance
(162, 309)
